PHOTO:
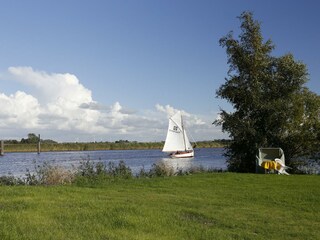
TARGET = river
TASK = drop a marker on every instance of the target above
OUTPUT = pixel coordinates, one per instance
(16, 164)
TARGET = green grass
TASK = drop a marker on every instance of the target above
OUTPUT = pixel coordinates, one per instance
(200, 206)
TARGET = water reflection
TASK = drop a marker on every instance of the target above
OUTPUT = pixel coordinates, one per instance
(178, 164)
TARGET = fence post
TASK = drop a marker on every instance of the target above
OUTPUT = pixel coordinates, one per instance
(2, 148)
(39, 145)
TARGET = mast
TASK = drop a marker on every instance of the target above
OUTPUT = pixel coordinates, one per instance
(184, 138)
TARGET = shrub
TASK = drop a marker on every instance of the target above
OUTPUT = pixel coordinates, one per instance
(49, 175)
(161, 170)
(86, 169)
(10, 181)
(56, 175)
(31, 178)
(91, 170)
(120, 171)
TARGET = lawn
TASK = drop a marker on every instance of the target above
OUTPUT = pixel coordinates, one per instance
(199, 206)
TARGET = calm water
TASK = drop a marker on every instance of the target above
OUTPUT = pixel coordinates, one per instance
(15, 164)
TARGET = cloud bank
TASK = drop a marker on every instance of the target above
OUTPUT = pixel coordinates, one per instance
(59, 107)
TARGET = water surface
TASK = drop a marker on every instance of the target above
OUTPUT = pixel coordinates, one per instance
(16, 164)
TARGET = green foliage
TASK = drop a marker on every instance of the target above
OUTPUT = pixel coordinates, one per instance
(121, 170)
(32, 138)
(160, 170)
(10, 181)
(272, 107)
(32, 178)
(90, 172)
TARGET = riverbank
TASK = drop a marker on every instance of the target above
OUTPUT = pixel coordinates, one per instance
(199, 206)
(98, 146)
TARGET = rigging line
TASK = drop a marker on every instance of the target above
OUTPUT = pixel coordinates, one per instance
(185, 130)
(194, 141)
(183, 133)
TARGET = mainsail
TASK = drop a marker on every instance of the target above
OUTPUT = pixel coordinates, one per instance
(177, 139)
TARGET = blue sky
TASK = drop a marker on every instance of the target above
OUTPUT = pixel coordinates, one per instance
(108, 70)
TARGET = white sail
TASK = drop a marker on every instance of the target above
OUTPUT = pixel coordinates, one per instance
(187, 142)
(177, 139)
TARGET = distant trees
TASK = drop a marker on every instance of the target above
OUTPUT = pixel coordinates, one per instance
(32, 138)
(272, 106)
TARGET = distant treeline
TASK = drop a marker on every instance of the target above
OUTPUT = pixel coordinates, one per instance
(50, 145)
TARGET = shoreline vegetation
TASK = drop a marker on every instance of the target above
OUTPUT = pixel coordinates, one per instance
(92, 173)
(51, 146)
(106, 202)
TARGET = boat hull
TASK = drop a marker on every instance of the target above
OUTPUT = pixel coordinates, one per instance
(188, 154)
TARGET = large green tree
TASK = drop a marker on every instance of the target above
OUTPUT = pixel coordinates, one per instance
(271, 105)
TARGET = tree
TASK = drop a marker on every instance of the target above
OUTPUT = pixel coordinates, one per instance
(32, 138)
(272, 107)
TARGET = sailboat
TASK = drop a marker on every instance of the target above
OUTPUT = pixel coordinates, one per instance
(177, 143)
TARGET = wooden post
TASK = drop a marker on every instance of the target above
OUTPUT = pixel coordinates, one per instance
(2, 148)
(39, 145)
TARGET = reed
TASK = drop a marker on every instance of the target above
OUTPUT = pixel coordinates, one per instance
(96, 146)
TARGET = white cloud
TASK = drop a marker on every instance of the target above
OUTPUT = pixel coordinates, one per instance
(19, 109)
(52, 87)
(60, 107)
(192, 119)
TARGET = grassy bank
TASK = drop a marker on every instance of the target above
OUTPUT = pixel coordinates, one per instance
(200, 206)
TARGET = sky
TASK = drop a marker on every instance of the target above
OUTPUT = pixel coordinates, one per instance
(105, 70)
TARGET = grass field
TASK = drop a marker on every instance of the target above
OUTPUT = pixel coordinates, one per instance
(199, 206)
